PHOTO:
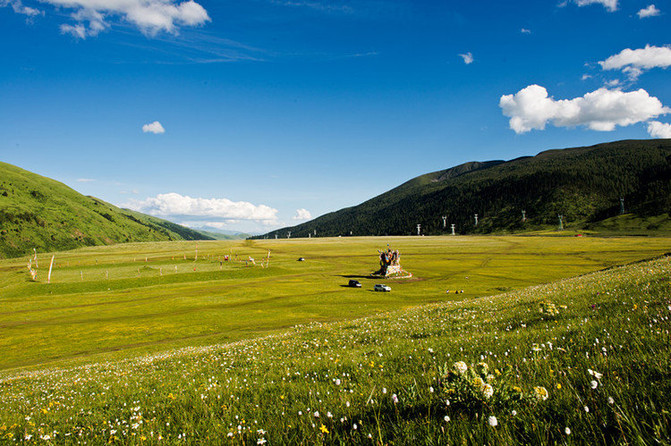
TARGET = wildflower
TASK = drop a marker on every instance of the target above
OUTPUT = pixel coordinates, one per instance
(446, 418)
(541, 393)
(514, 413)
(384, 390)
(493, 422)
(394, 398)
(611, 400)
(488, 391)
(586, 409)
(337, 382)
(323, 429)
(483, 368)
(316, 414)
(567, 431)
(478, 383)
(354, 426)
(594, 373)
(558, 386)
(431, 389)
(261, 441)
(460, 367)
(593, 384)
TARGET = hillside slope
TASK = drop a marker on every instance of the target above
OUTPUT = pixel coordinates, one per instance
(583, 184)
(41, 213)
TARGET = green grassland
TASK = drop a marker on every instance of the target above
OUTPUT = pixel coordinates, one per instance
(546, 360)
(135, 298)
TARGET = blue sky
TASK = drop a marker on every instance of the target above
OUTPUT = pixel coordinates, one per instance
(259, 114)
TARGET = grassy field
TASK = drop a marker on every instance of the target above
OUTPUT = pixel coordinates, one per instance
(584, 360)
(135, 298)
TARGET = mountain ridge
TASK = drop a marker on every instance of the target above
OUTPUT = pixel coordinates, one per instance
(38, 212)
(583, 184)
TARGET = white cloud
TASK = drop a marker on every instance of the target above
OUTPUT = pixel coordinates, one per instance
(585, 77)
(302, 214)
(150, 16)
(468, 58)
(635, 62)
(173, 204)
(610, 5)
(650, 11)
(85, 180)
(658, 129)
(155, 128)
(525, 31)
(19, 8)
(603, 109)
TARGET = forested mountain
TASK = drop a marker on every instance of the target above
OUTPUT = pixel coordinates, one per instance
(38, 212)
(582, 184)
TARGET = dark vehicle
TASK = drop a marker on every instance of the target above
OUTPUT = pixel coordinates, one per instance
(301, 259)
(354, 284)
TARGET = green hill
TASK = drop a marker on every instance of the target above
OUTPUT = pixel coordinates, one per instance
(583, 184)
(38, 212)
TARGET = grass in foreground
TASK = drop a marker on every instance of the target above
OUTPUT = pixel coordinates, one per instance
(583, 360)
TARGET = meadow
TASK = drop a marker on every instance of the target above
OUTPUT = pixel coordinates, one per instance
(137, 298)
(581, 360)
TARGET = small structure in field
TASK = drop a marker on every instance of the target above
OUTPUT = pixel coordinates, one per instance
(390, 265)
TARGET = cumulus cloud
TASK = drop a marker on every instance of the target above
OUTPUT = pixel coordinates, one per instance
(603, 109)
(19, 8)
(610, 5)
(150, 16)
(302, 214)
(468, 58)
(658, 129)
(85, 180)
(635, 62)
(174, 204)
(650, 11)
(525, 31)
(154, 127)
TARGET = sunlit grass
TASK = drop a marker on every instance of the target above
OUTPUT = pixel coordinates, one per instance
(583, 360)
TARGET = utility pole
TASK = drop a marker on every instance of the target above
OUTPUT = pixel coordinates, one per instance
(289, 234)
(524, 216)
(315, 233)
(452, 225)
(275, 236)
(621, 205)
(419, 229)
(476, 219)
(561, 222)
(444, 222)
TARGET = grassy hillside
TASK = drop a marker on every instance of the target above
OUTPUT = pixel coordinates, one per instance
(583, 184)
(38, 212)
(583, 360)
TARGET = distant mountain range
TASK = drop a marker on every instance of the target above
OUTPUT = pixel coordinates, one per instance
(38, 212)
(584, 185)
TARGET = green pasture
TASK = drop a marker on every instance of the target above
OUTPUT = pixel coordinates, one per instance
(129, 299)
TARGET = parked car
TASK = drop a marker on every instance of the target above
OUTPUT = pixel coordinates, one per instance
(301, 259)
(354, 284)
(381, 287)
